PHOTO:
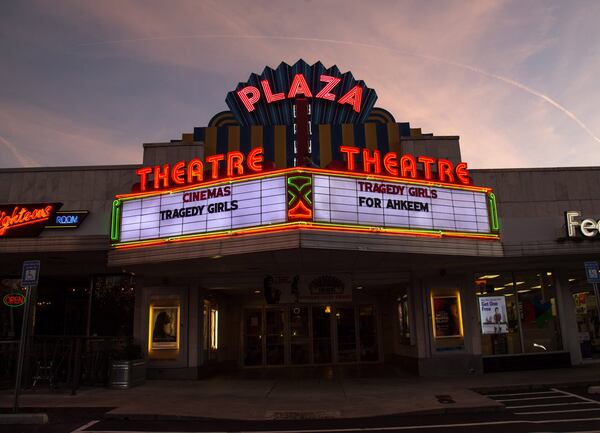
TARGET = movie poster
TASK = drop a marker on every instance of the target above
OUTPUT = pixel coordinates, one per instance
(165, 327)
(494, 319)
(446, 313)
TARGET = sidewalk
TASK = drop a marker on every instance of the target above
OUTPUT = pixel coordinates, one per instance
(303, 396)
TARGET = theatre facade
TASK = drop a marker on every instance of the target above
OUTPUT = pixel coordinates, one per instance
(305, 226)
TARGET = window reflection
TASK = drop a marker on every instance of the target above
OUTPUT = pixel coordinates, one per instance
(495, 285)
(539, 316)
(530, 298)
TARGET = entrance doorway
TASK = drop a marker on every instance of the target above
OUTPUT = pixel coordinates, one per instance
(309, 335)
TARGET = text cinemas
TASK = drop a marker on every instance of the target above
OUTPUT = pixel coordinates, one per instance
(188, 212)
(406, 166)
(250, 95)
(182, 173)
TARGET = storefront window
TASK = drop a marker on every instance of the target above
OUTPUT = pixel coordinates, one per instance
(497, 289)
(528, 300)
(586, 313)
(539, 314)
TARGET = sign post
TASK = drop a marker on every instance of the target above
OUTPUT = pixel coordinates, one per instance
(29, 281)
(593, 276)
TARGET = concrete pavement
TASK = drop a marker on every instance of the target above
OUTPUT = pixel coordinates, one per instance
(309, 393)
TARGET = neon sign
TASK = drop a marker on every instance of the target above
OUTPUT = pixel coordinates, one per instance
(406, 166)
(67, 219)
(589, 228)
(192, 172)
(268, 98)
(304, 199)
(14, 300)
(250, 95)
(25, 220)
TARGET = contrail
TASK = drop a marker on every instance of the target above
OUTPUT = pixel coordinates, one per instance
(23, 160)
(464, 66)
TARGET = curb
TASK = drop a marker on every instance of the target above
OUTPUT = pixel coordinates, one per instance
(23, 418)
(438, 411)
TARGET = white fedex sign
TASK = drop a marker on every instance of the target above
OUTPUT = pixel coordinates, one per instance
(203, 210)
(398, 205)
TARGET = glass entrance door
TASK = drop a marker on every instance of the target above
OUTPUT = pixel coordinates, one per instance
(346, 334)
(275, 319)
(309, 334)
(321, 325)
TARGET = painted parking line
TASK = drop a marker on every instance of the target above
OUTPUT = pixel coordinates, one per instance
(530, 398)
(85, 426)
(527, 406)
(520, 393)
(366, 429)
(568, 405)
(542, 412)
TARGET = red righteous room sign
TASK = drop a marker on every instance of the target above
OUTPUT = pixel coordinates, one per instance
(25, 220)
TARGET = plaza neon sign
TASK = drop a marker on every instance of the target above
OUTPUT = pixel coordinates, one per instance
(250, 95)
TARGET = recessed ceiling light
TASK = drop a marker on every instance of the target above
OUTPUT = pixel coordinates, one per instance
(489, 277)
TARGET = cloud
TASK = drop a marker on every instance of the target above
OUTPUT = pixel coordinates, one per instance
(22, 160)
(487, 71)
(41, 137)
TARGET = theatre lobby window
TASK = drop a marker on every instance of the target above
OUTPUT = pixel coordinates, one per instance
(518, 313)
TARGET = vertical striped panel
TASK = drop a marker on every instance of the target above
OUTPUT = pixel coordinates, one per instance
(289, 145)
(336, 142)
(359, 136)
(324, 145)
(315, 146)
(383, 143)
(280, 146)
(233, 138)
(222, 140)
(371, 136)
(393, 134)
(348, 134)
(256, 136)
(245, 140)
(210, 141)
(268, 142)
(199, 134)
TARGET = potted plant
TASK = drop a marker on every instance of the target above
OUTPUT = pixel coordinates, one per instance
(127, 367)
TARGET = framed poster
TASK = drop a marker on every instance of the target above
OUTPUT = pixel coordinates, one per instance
(492, 310)
(447, 320)
(165, 327)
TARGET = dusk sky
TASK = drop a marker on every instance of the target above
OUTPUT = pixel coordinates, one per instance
(87, 82)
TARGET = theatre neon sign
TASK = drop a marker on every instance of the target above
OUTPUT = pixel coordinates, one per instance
(193, 172)
(385, 194)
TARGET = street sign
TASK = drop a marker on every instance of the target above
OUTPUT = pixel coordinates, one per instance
(31, 273)
(591, 272)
